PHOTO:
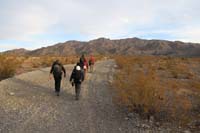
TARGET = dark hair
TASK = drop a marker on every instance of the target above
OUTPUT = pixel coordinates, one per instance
(78, 63)
(83, 55)
(57, 61)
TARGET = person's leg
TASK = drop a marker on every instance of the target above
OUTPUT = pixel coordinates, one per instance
(78, 89)
(92, 68)
(57, 85)
(56, 82)
(85, 73)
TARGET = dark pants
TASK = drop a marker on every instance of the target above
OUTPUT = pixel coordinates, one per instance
(57, 83)
(77, 89)
(91, 67)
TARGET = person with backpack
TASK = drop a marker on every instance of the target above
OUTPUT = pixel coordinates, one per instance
(85, 67)
(91, 63)
(57, 69)
(83, 64)
(77, 77)
(81, 61)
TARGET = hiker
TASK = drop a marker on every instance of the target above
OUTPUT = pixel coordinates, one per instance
(76, 78)
(85, 67)
(91, 63)
(82, 58)
(83, 64)
(56, 70)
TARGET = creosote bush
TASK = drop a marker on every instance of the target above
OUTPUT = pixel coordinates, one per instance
(156, 86)
(13, 64)
(8, 66)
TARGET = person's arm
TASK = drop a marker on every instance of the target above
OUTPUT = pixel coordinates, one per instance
(72, 76)
(51, 71)
(63, 69)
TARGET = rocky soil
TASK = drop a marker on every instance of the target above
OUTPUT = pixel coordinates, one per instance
(29, 104)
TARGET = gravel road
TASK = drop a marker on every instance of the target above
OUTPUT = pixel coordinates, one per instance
(29, 104)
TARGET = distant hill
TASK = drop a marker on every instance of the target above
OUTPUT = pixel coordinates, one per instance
(129, 46)
(20, 51)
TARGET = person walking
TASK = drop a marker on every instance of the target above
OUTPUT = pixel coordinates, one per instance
(83, 64)
(76, 78)
(57, 69)
(81, 61)
(85, 68)
(91, 63)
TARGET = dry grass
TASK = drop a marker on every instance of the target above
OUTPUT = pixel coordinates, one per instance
(8, 66)
(164, 87)
(11, 65)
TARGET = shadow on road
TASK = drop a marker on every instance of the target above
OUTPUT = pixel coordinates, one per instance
(30, 89)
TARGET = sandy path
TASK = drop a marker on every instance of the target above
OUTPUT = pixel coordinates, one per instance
(28, 104)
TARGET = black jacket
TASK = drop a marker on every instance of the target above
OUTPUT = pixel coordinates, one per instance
(63, 69)
(81, 62)
(73, 74)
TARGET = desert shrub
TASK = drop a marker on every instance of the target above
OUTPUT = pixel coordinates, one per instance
(144, 90)
(136, 89)
(8, 66)
(46, 61)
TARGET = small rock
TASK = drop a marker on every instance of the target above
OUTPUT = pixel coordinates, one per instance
(145, 126)
(138, 125)
(110, 81)
(130, 115)
(126, 118)
(187, 131)
(151, 119)
(115, 66)
(157, 124)
(11, 93)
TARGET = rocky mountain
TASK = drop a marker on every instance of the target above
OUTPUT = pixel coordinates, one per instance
(20, 51)
(129, 46)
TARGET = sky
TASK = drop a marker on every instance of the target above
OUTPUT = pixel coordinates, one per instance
(33, 24)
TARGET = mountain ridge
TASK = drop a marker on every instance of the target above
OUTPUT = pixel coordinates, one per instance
(127, 46)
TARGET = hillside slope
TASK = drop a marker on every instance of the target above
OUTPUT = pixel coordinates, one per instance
(129, 46)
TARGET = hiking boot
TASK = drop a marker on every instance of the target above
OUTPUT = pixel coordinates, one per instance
(77, 98)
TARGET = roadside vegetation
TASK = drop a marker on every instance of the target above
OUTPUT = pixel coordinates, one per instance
(166, 88)
(8, 66)
(11, 65)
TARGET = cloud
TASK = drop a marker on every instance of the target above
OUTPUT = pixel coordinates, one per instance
(28, 20)
(21, 22)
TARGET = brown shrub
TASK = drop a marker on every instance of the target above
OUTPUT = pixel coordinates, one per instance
(8, 66)
(137, 89)
(140, 87)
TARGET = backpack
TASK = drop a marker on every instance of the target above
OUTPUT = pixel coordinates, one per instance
(78, 76)
(81, 62)
(57, 70)
(91, 61)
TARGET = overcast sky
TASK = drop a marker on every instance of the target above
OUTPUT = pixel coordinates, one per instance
(35, 23)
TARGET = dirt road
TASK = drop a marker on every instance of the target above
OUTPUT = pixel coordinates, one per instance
(28, 104)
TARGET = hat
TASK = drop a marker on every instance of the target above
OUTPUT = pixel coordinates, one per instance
(78, 68)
